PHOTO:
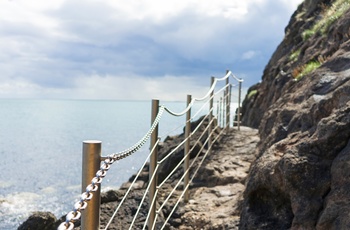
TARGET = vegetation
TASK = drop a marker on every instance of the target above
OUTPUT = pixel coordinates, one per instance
(252, 93)
(329, 16)
(294, 55)
(309, 67)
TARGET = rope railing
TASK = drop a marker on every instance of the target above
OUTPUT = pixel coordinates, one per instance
(179, 181)
(130, 187)
(228, 74)
(187, 186)
(75, 215)
(90, 218)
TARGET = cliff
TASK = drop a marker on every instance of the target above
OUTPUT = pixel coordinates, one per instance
(302, 109)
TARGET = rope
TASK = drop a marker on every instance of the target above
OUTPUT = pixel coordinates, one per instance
(187, 171)
(130, 187)
(138, 145)
(228, 74)
(75, 215)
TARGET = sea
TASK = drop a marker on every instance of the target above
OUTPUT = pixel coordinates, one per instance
(41, 148)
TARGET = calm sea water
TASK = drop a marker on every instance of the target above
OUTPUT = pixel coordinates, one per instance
(41, 145)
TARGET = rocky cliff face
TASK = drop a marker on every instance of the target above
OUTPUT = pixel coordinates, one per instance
(300, 179)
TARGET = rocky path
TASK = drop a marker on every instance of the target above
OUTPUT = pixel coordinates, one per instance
(215, 193)
(216, 205)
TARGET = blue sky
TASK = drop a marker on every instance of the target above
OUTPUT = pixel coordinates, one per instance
(135, 49)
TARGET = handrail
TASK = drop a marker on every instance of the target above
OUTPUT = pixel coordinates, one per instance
(228, 74)
(107, 161)
(129, 189)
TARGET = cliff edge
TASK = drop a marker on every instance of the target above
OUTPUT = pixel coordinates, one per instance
(300, 179)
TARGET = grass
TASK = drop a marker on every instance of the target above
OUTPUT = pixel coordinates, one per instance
(294, 56)
(309, 67)
(329, 16)
(252, 93)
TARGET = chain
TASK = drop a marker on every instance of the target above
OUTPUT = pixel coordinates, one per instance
(75, 215)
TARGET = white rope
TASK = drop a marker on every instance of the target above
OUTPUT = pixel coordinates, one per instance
(110, 159)
(185, 173)
(130, 187)
(228, 74)
(144, 195)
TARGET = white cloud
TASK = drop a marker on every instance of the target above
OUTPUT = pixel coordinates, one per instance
(249, 55)
(168, 88)
(49, 46)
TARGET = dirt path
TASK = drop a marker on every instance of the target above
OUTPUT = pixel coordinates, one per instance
(216, 205)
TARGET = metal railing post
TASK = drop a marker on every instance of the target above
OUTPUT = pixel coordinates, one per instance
(153, 165)
(228, 101)
(239, 105)
(230, 93)
(187, 149)
(221, 121)
(210, 141)
(90, 218)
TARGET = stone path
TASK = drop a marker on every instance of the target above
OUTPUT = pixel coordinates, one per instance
(216, 205)
(215, 193)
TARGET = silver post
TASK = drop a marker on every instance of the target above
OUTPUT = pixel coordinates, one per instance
(187, 149)
(228, 101)
(90, 218)
(221, 113)
(239, 105)
(218, 110)
(230, 96)
(210, 116)
(153, 164)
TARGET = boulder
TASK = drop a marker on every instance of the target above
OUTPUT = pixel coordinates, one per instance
(39, 220)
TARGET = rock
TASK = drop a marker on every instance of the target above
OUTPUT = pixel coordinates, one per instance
(299, 179)
(215, 201)
(111, 196)
(39, 220)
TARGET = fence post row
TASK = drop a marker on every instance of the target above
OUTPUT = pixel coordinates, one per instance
(90, 218)
(228, 101)
(153, 165)
(187, 149)
(239, 105)
(210, 115)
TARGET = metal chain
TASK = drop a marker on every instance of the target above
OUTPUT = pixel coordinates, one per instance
(75, 215)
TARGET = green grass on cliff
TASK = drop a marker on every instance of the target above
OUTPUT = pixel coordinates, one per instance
(329, 16)
(293, 57)
(252, 93)
(306, 69)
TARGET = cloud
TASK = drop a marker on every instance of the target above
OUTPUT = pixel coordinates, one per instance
(76, 48)
(166, 88)
(249, 55)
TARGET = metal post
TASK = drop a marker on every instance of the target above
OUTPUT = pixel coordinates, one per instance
(210, 141)
(228, 101)
(221, 113)
(230, 96)
(187, 149)
(153, 164)
(239, 105)
(90, 218)
(218, 110)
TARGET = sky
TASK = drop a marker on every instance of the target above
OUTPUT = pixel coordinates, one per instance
(135, 49)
